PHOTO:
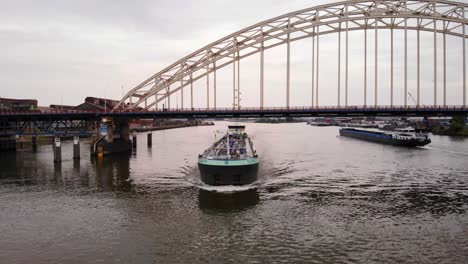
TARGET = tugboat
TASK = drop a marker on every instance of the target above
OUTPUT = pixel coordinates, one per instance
(231, 160)
(406, 138)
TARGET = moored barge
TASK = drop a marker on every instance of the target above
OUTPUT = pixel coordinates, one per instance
(405, 138)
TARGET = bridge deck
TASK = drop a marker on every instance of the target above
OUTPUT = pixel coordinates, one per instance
(243, 112)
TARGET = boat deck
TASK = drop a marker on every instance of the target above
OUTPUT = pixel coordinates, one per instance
(240, 147)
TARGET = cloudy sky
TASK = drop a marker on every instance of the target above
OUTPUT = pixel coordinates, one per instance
(60, 51)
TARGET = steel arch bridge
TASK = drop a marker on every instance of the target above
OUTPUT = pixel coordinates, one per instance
(439, 17)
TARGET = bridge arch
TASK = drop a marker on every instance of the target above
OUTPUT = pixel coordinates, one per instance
(416, 15)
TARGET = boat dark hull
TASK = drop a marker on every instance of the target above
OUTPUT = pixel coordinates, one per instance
(383, 139)
(228, 175)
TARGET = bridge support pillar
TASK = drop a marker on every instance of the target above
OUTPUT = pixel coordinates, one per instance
(19, 142)
(114, 138)
(57, 150)
(134, 140)
(150, 139)
(76, 147)
(34, 143)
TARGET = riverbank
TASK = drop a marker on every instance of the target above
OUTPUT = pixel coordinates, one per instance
(279, 120)
(457, 128)
(172, 126)
(446, 131)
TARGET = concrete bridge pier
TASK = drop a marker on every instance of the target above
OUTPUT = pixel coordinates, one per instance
(150, 139)
(57, 146)
(19, 142)
(134, 140)
(34, 143)
(113, 138)
(76, 147)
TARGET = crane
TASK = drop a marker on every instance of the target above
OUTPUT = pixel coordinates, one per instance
(412, 98)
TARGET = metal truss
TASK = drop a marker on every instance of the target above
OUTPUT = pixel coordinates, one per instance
(439, 17)
(63, 126)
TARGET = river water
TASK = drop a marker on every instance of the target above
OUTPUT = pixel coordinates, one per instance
(320, 198)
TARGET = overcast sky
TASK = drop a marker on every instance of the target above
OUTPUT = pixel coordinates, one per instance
(62, 51)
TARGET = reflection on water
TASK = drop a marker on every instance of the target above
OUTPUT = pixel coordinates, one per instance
(319, 198)
(227, 202)
(110, 173)
(113, 173)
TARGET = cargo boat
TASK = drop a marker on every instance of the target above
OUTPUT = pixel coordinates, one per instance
(397, 138)
(231, 160)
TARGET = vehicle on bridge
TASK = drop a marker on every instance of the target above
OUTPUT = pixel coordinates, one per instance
(230, 161)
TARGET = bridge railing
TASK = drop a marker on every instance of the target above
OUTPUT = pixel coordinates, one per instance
(383, 108)
(49, 112)
(299, 109)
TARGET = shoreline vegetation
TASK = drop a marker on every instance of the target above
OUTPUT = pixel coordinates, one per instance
(457, 128)
(445, 131)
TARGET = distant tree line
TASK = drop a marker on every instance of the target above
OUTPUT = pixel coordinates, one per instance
(457, 127)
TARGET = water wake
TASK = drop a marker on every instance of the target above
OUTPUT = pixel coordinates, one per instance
(445, 150)
(227, 188)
